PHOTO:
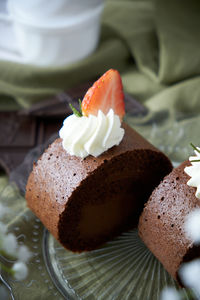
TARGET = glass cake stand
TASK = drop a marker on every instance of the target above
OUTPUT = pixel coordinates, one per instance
(121, 269)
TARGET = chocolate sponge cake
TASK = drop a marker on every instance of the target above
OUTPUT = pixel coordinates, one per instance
(85, 202)
(161, 225)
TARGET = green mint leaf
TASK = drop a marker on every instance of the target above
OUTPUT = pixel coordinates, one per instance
(195, 148)
(75, 111)
(195, 160)
(80, 106)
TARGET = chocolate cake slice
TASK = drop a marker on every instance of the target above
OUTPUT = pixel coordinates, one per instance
(161, 225)
(85, 202)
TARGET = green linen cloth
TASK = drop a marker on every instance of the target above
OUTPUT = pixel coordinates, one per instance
(155, 46)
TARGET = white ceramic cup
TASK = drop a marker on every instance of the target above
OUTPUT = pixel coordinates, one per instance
(60, 33)
(54, 12)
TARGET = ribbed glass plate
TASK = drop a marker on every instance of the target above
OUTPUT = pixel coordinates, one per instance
(121, 269)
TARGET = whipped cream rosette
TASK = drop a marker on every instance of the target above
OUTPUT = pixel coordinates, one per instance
(92, 135)
(194, 171)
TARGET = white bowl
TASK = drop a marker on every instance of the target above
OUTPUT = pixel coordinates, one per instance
(37, 12)
(51, 44)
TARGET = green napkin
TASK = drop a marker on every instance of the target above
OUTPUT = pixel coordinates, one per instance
(154, 44)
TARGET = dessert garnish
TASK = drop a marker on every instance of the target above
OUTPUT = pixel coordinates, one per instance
(97, 127)
(106, 93)
(194, 170)
(197, 150)
(75, 111)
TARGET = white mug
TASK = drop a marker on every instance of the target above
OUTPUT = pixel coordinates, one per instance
(60, 33)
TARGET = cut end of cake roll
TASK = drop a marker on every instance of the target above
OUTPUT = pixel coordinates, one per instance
(86, 202)
(162, 222)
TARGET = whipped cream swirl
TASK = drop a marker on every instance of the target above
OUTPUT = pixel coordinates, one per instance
(194, 172)
(92, 135)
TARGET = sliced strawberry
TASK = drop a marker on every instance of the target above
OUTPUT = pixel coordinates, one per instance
(106, 93)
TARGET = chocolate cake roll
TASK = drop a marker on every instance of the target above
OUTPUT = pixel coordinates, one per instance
(161, 225)
(85, 202)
